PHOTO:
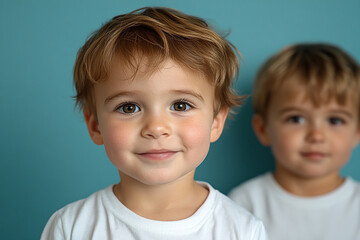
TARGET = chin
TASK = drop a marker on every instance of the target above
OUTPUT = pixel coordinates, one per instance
(158, 179)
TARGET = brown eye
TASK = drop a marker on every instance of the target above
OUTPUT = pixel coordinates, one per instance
(180, 106)
(336, 121)
(128, 108)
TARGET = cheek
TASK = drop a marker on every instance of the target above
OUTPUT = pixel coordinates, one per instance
(342, 148)
(117, 138)
(284, 142)
(195, 134)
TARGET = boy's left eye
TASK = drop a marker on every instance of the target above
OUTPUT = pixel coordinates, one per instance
(336, 121)
(180, 106)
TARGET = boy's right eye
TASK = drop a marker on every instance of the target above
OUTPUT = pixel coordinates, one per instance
(295, 119)
(128, 108)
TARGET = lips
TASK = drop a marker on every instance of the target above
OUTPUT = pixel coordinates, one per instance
(162, 154)
(314, 156)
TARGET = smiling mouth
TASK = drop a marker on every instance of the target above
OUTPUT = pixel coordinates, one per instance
(314, 156)
(158, 154)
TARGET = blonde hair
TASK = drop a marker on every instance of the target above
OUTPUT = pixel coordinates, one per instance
(325, 71)
(157, 34)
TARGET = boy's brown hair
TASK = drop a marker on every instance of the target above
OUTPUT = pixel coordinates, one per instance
(153, 35)
(324, 71)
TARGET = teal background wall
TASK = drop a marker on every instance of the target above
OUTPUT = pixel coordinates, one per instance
(46, 157)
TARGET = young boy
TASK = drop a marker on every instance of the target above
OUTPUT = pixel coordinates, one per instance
(155, 89)
(306, 104)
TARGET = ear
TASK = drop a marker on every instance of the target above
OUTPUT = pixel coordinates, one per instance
(259, 126)
(93, 127)
(218, 124)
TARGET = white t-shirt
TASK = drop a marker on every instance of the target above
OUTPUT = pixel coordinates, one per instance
(102, 216)
(333, 216)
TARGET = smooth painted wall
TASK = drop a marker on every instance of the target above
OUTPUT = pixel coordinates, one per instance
(46, 156)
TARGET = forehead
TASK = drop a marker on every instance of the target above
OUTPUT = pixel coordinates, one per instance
(167, 77)
(317, 91)
(294, 93)
(145, 67)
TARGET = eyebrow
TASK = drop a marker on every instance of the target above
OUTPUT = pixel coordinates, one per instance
(343, 112)
(180, 91)
(190, 92)
(333, 111)
(289, 109)
(116, 95)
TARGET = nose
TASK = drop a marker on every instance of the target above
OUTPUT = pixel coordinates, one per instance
(156, 126)
(315, 134)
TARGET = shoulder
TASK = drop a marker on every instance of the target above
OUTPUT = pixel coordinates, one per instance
(221, 205)
(81, 213)
(354, 183)
(236, 217)
(225, 208)
(230, 208)
(85, 206)
(353, 187)
(253, 187)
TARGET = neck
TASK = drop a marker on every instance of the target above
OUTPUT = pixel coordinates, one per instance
(165, 202)
(308, 186)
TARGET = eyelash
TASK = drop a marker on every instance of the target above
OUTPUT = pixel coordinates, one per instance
(188, 106)
(120, 108)
(297, 119)
(294, 119)
(339, 121)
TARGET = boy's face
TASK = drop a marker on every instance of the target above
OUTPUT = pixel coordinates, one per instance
(155, 128)
(306, 141)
